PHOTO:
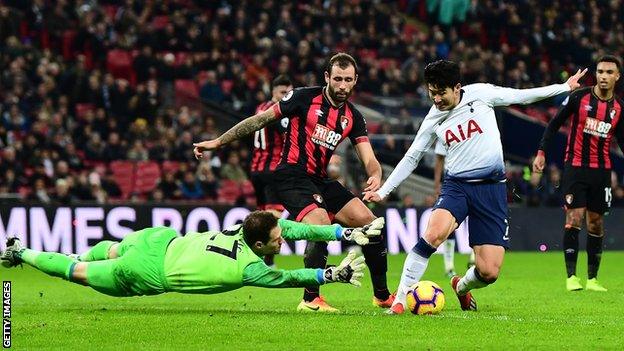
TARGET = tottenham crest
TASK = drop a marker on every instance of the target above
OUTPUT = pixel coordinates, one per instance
(344, 122)
(569, 198)
(318, 198)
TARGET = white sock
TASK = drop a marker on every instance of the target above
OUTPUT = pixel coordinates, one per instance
(469, 281)
(413, 269)
(472, 257)
(449, 255)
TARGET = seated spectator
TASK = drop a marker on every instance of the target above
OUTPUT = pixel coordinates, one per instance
(232, 169)
(62, 196)
(190, 187)
(208, 180)
(169, 186)
(40, 193)
(138, 152)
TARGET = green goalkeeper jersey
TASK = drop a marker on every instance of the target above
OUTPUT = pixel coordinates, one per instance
(213, 262)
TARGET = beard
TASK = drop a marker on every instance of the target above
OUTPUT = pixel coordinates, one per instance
(335, 96)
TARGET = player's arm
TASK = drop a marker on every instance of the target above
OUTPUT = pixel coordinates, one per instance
(312, 232)
(240, 130)
(500, 96)
(371, 165)
(422, 142)
(350, 270)
(566, 110)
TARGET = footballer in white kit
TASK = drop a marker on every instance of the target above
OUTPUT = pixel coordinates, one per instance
(463, 119)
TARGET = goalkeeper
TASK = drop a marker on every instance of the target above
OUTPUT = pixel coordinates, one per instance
(155, 260)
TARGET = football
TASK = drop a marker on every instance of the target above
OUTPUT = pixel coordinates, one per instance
(425, 297)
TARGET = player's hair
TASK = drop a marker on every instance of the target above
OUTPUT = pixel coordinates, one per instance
(442, 74)
(282, 79)
(257, 226)
(611, 58)
(343, 60)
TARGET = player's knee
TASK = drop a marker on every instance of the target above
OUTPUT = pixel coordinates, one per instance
(435, 236)
(488, 274)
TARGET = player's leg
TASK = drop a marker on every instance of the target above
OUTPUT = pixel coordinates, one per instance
(598, 203)
(51, 263)
(471, 259)
(595, 235)
(315, 256)
(575, 190)
(449, 255)
(355, 214)
(259, 185)
(489, 237)
(441, 224)
(488, 261)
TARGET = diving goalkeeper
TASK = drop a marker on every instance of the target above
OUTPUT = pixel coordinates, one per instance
(155, 260)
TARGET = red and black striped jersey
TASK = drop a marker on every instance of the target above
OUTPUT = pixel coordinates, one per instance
(268, 143)
(316, 128)
(593, 125)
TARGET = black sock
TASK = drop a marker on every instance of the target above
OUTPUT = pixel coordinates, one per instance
(315, 257)
(594, 254)
(376, 256)
(269, 260)
(570, 249)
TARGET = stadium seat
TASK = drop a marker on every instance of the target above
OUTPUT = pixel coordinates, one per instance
(82, 109)
(147, 176)
(170, 166)
(248, 189)
(186, 88)
(229, 191)
(226, 86)
(123, 173)
(160, 22)
(67, 45)
(119, 64)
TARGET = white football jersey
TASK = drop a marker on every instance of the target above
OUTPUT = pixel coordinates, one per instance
(469, 134)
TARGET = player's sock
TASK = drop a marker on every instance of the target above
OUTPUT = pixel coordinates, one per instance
(471, 280)
(570, 249)
(98, 252)
(52, 263)
(315, 257)
(594, 254)
(472, 260)
(376, 256)
(413, 268)
(449, 255)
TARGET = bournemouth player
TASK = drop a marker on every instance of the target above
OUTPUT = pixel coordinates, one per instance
(321, 118)
(463, 119)
(267, 149)
(155, 260)
(595, 113)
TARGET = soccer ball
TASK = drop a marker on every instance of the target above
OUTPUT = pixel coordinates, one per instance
(425, 297)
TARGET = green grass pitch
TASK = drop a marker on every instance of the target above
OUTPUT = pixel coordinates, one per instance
(527, 308)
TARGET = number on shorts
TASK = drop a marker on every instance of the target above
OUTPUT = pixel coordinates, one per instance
(608, 196)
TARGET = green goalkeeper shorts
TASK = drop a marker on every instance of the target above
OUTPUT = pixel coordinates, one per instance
(139, 269)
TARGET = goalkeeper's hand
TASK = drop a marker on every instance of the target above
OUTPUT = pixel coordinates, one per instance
(362, 235)
(350, 270)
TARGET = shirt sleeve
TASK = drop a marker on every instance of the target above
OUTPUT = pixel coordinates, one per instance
(568, 107)
(290, 104)
(302, 231)
(422, 142)
(500, 96)
(261, 275)
(619, 132)
(358, 133)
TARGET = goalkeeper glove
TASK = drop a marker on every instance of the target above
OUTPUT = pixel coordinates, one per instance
(362, 235)
(350, 270)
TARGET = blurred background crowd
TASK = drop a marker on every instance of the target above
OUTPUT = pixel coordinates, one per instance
(102, 100)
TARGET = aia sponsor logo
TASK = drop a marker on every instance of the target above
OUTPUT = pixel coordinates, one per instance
(461, 133)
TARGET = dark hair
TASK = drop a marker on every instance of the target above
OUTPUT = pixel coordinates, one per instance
(343, 60)
(442, 74)
(257, 226)
(611, 58)
(282, 79)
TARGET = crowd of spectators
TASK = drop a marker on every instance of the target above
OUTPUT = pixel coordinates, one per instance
(70, 104)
